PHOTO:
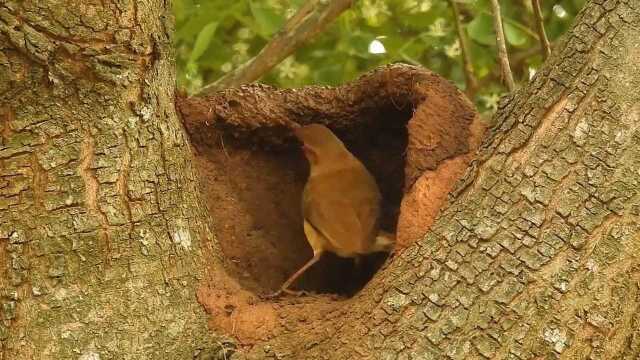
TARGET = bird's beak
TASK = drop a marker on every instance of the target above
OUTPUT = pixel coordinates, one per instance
(310, 154)
(307, 150)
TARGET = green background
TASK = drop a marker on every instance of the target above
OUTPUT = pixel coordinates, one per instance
(215, 36)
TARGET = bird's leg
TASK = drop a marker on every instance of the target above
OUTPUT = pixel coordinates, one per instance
(357, 261)
(358, 270)
(285, 287)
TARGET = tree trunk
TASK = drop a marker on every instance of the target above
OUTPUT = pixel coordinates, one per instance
(102, 232)
(104, 237)
(537, 255)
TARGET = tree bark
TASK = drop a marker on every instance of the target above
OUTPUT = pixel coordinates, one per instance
(102, 231)
(537, 255)
(104, 237)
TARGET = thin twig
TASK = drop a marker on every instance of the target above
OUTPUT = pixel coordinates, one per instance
(470, 79)
(503, 57)
(311, 19)
(542, 35)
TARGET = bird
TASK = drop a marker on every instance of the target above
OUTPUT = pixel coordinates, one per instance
(340, 202)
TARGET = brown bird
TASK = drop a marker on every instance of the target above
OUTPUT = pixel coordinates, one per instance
(340, 202)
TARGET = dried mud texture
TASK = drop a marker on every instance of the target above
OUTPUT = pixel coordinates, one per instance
(422, 202)
(249, 319)
(412, 129)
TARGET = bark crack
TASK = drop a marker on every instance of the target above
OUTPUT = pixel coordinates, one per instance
(39, 182)
(122, 183)
(92, 186)
(122, 186)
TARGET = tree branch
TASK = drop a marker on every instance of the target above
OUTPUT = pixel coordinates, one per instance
(503, 57)
(470, 79)
(312, 18)
(542, 35)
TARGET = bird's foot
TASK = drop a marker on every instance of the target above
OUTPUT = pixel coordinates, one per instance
(279, 293)
(296, 293)
(272, 295)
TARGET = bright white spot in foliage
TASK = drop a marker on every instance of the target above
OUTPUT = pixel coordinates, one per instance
(438, 28)
(559, 11)
(182, 237)
(491, 101)
(532, 72)
(581, 133)
(376, 47)
(453, 50)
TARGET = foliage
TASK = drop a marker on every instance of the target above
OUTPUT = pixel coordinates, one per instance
(215, 36)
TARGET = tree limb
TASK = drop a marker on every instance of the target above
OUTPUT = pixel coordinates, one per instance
(312, 18)
(503, 57)
(542, 35)
(470, 79)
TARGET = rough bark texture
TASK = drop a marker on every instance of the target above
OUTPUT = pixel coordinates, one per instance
(537, 257)
(102, 233)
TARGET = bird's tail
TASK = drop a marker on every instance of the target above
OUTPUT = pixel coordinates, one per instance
(384, 241)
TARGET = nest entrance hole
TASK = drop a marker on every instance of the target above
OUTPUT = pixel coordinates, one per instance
(253, 195)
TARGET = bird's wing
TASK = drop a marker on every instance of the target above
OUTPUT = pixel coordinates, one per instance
(344, 209)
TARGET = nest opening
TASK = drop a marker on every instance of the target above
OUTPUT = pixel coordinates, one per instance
(253, 195)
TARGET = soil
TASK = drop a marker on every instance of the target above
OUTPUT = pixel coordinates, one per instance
(423, 201)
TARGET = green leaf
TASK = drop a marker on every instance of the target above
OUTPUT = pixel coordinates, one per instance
(202, 41)
(329, 75)
(483, 59)
(268, 20)
(480, 30)
(514, 35)
(195, 18)
(179, 10)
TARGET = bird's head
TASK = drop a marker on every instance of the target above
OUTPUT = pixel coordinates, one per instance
(319, 143)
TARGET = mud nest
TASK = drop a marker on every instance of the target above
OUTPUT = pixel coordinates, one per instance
(410, 127)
